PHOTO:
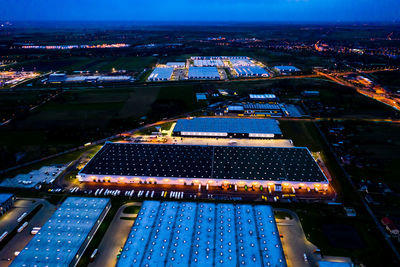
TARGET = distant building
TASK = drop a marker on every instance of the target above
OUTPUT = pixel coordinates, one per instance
(310, 93)
(263, 98)
(268, 110)
(203, 73)
(177, 65)
(250, 71)
(350, 212)
(286, 69)
(201, 96)
(390, 226)
(6, 202)
(235, 109)
(161, 74)
(57, 78)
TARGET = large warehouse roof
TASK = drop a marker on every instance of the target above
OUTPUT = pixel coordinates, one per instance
(209, 162)
(203, 73)
(203, 234)
(228, 125)
(250, 71)
(59, 240)
(160, 74)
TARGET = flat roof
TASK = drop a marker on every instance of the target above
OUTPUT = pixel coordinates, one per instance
(161, 73)
(228, 125)
(176, 64)
(4, 197)
(286, 68)
(334, 264)
(208, 162)
(59, 240)
(262, 96)
(203, 72)
(250, 71)
(203, 234)
(258, 106)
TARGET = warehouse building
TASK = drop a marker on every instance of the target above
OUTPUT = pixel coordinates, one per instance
(286, 69)
(177, 65)
(203, 73)
(161, 74)
(65, 236)
(207, 61)
(240, 61)
(272, 110)
(228, 127)
(6, 202)
(196, 164)
(263, 98)
(203, 234)
(250, 71)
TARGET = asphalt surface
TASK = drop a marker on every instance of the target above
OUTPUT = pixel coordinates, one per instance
(294, 242)
(114, 239)
(20, 240)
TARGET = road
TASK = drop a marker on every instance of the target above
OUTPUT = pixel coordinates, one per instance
(115, 238)
(20, 240)
(294, 241)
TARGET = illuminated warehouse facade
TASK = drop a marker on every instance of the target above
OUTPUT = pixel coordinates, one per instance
(197, 164)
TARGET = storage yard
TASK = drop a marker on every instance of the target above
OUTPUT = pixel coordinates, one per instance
(203, 234)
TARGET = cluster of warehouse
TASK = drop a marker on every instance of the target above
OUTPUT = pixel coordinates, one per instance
(6, 202)
(64, 237)
(64, 78)
(197, 164)
(210, 68)
(227, 127)
(263, 105)
(203, 234)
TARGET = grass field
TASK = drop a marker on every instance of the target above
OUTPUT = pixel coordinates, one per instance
(101, 64)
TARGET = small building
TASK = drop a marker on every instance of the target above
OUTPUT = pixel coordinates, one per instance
(201, 97)
(235, 109)
(286, 69)
(310, 93)
(350, 212)
(6, 202)
(263, 98)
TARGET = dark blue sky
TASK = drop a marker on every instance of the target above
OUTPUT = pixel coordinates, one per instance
(202, 10)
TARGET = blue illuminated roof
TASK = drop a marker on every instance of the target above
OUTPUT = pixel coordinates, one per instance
(228, 125)
(59, 240)
(203, 234)
(4, 197)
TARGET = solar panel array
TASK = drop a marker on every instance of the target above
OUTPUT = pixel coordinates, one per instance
(60, 239)
(194, 161)
(203, 234)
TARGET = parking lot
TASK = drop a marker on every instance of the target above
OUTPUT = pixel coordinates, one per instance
(9, 222)
(46, 174)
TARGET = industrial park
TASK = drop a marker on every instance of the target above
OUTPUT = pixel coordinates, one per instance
(191, 133)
